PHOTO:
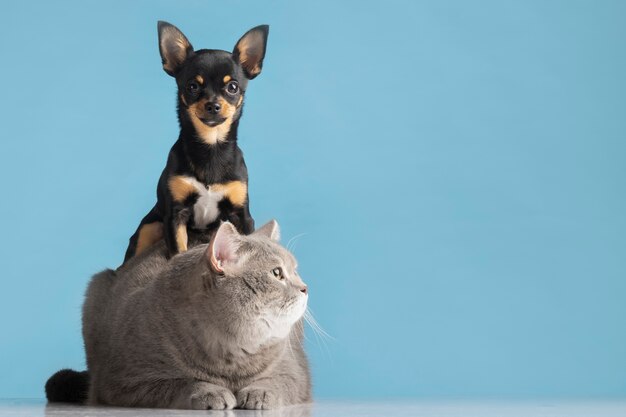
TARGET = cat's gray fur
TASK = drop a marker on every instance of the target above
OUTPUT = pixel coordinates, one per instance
(177, 334)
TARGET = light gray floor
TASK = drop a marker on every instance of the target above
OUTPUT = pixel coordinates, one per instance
(32, 408)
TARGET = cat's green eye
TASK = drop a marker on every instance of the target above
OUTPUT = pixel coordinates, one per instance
(278, 273)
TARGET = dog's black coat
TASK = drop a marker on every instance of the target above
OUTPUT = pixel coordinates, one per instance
(207, 103)
(68, 386)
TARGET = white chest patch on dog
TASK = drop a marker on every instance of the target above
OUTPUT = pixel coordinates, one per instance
(205, 210)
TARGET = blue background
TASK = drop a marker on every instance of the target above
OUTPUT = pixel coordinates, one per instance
(458, 170)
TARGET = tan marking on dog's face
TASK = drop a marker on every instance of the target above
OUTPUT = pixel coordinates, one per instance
(235, 191)
(212, 135)
(181, 237)
(180, 188)
(200, 79)
(227, 110)
(149, 234)
(182, 98)
(240, 100)
(227, 78)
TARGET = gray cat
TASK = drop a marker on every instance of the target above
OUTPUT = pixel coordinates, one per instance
(216, 327)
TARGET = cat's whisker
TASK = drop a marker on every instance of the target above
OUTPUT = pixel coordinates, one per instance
(311, 320)
(320, 342)
(321, 336)
(293, 241)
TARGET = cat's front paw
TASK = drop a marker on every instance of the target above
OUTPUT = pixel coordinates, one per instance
(258, 399)
(212, 397)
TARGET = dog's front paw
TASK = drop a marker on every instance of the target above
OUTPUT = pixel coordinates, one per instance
(212, 397)
(258, 398)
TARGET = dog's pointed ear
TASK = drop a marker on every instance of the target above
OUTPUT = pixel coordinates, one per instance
(250, 50)
(269, 229)
(174, 47)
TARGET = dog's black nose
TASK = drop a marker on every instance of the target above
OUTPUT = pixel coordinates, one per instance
(212, 107)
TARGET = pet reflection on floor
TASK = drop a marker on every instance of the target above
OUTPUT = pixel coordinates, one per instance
(70, 410)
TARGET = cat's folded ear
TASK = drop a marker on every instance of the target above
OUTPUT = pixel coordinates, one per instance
(250, 50)
(222, 250)
(174, 47)
(269, 229)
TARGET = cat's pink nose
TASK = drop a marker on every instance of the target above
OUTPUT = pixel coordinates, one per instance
(304, 289)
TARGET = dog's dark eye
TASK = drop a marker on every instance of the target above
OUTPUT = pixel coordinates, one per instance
(278, 273)
(232, 88)
(192, 87)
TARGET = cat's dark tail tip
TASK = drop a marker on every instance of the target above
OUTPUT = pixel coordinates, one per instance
(67, 386)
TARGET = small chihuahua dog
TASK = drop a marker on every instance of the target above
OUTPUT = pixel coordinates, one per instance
(205, 180)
